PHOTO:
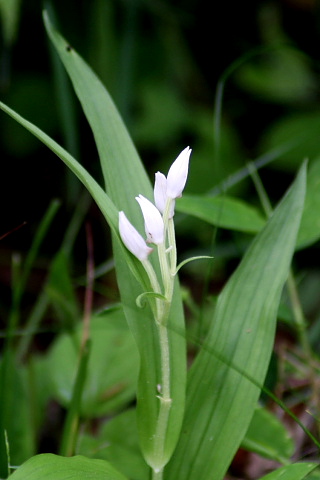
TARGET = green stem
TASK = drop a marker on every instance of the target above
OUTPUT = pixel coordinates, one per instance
(164, 267)
(167, 267)
(313, 368)
(164, 398)
(157, 475)
(264, 199)
(298, 316)
(155, 287)
(173, 251)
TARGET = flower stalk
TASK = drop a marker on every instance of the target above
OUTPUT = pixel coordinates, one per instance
(159, 229)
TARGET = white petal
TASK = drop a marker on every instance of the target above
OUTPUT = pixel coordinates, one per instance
(178, 173)
(160, 191)
(160, 194)
(153, 222)
(132, 238)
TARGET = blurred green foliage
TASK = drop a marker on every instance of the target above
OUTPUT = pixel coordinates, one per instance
(162, 62)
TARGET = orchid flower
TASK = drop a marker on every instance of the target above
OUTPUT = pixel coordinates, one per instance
(160, 194)
(172, 186)
(178, 173)
(153, 222)
(132, 238)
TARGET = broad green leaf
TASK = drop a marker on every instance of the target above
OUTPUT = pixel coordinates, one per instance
(122, 170)
(226, 377)
(117, 441)
(225, 212)
(268, 437)
(112, 370)
(296, 471)
(53, 467)
(125, 178)
(235, 214)
(309, 231)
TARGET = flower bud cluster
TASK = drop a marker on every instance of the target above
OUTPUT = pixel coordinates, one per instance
(166, 190)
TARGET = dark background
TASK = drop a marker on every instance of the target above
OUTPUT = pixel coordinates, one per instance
(161, 61)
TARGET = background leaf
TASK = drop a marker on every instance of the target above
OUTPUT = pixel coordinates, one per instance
(112, 370)
(268, 437)
(296, 471)
(309, 231)
(51, 467)
(117, 441)
(225, 212)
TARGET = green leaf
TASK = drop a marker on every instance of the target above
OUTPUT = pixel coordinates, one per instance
(268, 437)
(125, 178)
(225, 212)
(226, 377)
(120, 163)
(309, 231)
(117, 441)
(112, 370)
(314, 475)
(52, 467)
(296, 471)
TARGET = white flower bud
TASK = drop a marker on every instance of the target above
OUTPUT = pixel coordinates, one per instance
(177, 175)
(132, 238)
(160, 191)
(153, 222)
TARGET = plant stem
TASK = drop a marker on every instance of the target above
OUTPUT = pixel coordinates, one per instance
(164, 398)
(157, 475)
(298, 315)
(167, 267)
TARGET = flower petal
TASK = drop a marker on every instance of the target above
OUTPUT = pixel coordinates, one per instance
(160, 194)
(178, 173)
(153, 222)
(132, 238)
(160, 191)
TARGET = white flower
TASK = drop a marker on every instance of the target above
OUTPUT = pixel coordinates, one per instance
(160, 194)
(178, 173)
(160, 191)
(153, 222)
(132, 238)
